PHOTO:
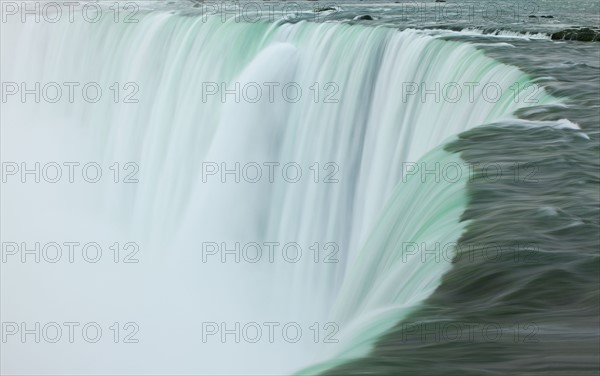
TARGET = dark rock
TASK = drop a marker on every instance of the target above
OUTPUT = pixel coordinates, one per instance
(584, 34)
(365, 17)
(547, 16)
(324, 9)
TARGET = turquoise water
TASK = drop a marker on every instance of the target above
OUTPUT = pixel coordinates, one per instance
(413, 243)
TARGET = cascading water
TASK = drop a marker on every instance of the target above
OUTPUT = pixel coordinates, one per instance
(365, 123)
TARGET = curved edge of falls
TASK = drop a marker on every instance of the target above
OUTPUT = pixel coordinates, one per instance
(373, 129)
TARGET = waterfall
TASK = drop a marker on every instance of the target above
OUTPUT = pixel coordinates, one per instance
(351, 132)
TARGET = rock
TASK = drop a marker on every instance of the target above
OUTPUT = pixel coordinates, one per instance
(440, 1)
(324, 9)
(365, 17)
(547, 16)
(584, 34)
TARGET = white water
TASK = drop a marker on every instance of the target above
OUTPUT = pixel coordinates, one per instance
(369, 213)
(506, 34)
